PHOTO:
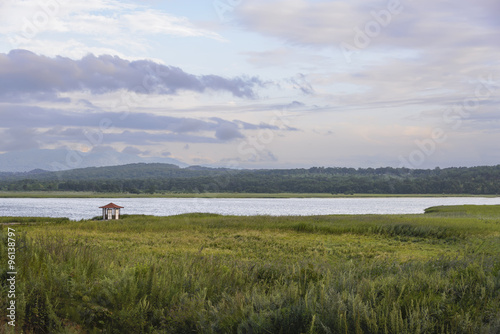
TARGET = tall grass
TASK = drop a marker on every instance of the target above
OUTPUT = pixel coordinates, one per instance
(219, 274)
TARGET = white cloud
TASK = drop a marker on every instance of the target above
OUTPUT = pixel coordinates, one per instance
(299, 21)
(285, 57)
(95, 24)
(327, 23)
(71, 48)
(394, 91)
(154, 22)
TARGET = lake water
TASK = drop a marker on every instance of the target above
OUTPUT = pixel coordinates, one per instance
(84, 208)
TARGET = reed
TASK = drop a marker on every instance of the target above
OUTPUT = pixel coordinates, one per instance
(432, 273)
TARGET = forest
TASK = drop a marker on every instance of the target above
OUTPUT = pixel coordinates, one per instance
(166, 178)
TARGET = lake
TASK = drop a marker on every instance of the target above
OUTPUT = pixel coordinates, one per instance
(85, 208)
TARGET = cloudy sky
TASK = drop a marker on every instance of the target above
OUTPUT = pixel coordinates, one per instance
(254, 83)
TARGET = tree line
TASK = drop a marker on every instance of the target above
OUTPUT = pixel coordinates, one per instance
(157, 178)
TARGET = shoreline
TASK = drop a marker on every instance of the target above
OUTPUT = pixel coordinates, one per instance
(71, 194)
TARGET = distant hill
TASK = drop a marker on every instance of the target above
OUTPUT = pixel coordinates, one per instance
(157, 177)
(125, 172)
(122, 172)
(60, 159)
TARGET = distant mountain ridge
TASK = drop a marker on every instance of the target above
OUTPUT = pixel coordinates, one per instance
(5, 175)
(61, 159)
(132, 171)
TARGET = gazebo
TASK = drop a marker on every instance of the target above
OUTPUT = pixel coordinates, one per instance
(111, 211)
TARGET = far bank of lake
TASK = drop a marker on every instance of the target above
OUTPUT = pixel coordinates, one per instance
(87, 194)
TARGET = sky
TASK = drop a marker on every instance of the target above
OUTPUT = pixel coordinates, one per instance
(255, 84)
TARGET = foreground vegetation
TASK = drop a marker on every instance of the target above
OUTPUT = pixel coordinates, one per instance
(433, 273)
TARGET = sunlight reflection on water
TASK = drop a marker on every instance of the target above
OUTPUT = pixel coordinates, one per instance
(84, 208)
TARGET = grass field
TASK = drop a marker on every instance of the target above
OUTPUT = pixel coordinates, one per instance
(84, 194)
(437, 272)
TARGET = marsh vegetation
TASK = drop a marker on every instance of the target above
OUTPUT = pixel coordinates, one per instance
(437, 272)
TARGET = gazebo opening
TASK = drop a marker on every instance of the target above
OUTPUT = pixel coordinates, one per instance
(111, 211)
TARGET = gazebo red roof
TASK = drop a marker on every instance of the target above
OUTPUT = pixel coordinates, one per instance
(111, 206)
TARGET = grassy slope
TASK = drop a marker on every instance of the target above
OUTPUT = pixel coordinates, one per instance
(432, 273)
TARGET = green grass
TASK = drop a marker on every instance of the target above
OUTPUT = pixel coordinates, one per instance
(466, 210)
(437, 272)
(84, 194)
